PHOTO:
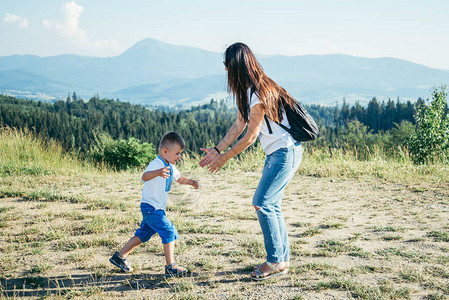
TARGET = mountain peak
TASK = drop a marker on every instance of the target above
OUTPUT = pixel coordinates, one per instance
(150, 42)
(144, 46)
(152, 71)
(150, 46)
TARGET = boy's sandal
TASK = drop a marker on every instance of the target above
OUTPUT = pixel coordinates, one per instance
(170, 271)
(274, 272)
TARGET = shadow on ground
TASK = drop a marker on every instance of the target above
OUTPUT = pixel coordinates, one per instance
(83, 284)
(91, 284)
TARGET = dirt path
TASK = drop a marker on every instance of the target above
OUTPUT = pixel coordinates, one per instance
(350, 238)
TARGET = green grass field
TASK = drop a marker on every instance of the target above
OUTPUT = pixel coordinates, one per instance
(373, 229)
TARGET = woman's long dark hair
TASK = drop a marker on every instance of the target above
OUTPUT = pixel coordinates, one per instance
(244, 72)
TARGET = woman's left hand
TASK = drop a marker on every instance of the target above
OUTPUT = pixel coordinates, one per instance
(217, 163)
(211, 154)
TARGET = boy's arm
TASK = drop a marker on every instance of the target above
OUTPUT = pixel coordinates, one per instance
(185, 180)
(163, 172)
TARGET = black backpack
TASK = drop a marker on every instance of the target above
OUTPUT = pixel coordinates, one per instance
(302, 126)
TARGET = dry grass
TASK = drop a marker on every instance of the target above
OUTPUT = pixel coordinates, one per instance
(353, 233)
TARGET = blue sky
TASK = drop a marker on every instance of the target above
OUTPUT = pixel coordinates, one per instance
(413, 30)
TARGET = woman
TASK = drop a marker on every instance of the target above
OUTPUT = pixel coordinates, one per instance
(257, 96)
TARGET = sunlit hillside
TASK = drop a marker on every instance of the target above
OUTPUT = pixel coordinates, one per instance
(372, 229)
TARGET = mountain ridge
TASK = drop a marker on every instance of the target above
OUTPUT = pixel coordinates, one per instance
(152, 71)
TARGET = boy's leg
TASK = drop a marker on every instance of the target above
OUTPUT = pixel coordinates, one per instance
(142, 234)
(171, 269)
(119, 258)
(130, 246)
(169, 249)
(167, 231)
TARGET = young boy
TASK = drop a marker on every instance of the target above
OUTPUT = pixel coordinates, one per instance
(157, 180)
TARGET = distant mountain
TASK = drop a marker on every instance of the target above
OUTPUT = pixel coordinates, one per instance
(152, 72)
(185, 91)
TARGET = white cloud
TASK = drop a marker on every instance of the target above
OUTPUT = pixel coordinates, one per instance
(46, 23)
(13, 19)
(70, 28)
(23, 23)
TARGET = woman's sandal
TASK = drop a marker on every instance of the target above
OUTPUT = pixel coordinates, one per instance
(170, 271)
(287, 265)
(274, 272)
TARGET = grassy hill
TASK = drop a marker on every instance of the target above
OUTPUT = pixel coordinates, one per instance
(373, 229)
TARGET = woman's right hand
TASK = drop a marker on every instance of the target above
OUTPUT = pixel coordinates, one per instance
(211, 154)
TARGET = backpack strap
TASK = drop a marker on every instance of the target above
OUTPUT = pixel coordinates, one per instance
(269, 126)
(265, 116)
(270, 131)
(279, 124)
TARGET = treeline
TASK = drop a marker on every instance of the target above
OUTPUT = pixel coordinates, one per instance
(379, 116)
(385, 125)
(78, 124)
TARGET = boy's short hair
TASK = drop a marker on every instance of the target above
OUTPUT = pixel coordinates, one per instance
(171, 138)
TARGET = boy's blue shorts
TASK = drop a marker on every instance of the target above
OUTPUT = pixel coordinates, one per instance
(155, 221)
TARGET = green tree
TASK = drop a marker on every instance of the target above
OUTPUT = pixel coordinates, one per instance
(123, 154)
(373, 114)
(358, 137)
(401, 132)
(430, 141)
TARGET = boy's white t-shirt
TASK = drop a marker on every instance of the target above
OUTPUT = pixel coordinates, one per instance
(153, 191)
(279, 138)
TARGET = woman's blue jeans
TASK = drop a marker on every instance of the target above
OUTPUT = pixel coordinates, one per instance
(280, 166)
